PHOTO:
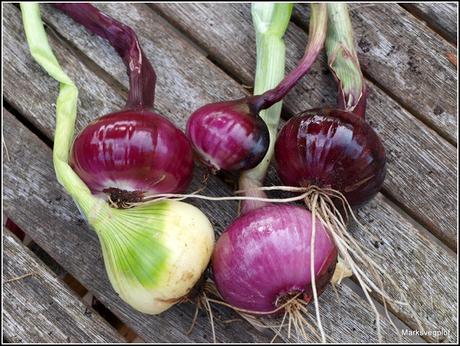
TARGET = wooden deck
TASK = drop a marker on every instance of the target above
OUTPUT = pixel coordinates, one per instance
(203, 53)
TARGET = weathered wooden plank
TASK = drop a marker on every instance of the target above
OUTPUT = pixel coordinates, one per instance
(40, 308)
(407, 60)
(47, 99)
(425, 271)
(421, 165)
(440, 16)
(44, 222)
(219, 219)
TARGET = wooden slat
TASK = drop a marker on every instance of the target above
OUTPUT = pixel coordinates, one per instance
(55, 224)
(78, 71)
(40, 308)
(440, 16)
(220, 216)
(421, 166)
(408, 60)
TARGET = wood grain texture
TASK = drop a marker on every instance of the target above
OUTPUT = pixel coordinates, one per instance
(440, 16)
(421, 165)
(220, 216)
(56, 225)
(40, 308)
(406, 59)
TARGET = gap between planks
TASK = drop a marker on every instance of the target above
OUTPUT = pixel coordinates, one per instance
(416, 13)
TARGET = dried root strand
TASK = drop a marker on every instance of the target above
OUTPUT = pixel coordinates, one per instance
(370, 275)
(17, 278)
(202, 303)
(312, 267)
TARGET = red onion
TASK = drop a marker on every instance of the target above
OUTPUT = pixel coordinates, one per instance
(335, 148)
(263, 258)
(334, 151)
(331, 148)
(135, 151)
(228, 135)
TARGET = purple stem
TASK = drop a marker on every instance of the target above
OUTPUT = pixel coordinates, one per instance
(317, 35)
(123, 39)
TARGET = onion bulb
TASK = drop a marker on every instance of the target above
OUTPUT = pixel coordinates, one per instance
(332, 149)
(263, 258)
(155, 253)
(231, 135)
(129, 154)
(228, 135)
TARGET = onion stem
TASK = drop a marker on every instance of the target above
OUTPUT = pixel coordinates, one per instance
(123, 39)
(270, 23)
(316, 37)
(343, 60)
(66, 109)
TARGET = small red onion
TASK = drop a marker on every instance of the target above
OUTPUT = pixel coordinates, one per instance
(263, 258)
(228, 136)
(331, 148)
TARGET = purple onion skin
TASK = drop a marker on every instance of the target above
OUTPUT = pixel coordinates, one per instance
(334, 149)
(133, 150)
(228, 136)
(265, 254)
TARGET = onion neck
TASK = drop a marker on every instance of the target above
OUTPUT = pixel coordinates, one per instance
(317, 35)
(123, 39)
(270, 23)
(343, 60)
(66, 109)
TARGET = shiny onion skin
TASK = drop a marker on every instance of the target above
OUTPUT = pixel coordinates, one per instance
(228, 136)
(264, 257)
(132, 152)
(334, 149)
(135, 152)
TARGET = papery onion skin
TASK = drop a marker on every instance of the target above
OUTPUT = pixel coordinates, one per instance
(228, 136)
(334, 149)
(264, 256)
(133, 150)
(154, 253)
